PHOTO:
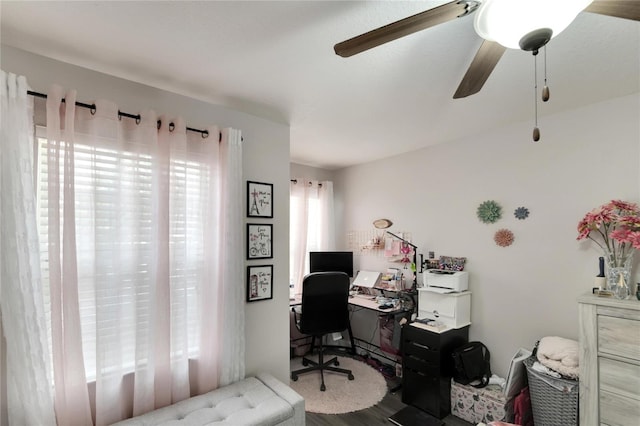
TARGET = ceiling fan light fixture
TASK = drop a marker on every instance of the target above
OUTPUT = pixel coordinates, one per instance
(534, 40)
(508, 21)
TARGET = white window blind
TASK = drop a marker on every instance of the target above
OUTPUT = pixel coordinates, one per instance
(116, 239)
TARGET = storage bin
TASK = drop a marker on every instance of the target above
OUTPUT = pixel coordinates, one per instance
(554, 400)
(477, 405)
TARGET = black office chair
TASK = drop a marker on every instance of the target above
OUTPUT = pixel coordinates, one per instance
(325, 309)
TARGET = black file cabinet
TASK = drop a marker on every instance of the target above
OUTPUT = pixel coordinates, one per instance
(427, 367)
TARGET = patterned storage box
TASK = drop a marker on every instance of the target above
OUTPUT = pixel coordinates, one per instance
(480, 405)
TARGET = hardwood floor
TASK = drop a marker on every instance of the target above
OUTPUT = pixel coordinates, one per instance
(377, 415)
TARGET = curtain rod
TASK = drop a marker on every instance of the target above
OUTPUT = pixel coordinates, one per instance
(296, 181)
(92, 108)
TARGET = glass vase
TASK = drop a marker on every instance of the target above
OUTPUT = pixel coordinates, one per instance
(619, 272)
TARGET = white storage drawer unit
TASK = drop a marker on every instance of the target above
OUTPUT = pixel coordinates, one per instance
(453, 309)
(609, 361)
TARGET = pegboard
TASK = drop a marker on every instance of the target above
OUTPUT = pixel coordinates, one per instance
(371, 242)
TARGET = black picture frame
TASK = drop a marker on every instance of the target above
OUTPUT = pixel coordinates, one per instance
(259, 241)
(259, 282)
(259, 199)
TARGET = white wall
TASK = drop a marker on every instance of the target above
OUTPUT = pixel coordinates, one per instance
(313, 173)
(524, 292)
(265, 159)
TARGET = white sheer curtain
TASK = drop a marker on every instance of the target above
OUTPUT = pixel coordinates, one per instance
(60, 259)
(229, 300)
(311, 224)
(144, 259)
(29, 391)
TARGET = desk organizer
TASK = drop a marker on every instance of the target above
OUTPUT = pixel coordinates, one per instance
(477, 405)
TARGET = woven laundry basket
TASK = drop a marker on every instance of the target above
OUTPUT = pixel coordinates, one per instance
(554, 400)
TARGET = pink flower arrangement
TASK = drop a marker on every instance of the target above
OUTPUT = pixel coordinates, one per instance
(614, 226)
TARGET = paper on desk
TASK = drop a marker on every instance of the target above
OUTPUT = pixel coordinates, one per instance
(517, 374)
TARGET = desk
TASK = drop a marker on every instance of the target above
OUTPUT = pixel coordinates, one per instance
(359, 300)
(368, 302)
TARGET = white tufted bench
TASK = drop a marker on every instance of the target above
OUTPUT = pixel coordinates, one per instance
(260, 400)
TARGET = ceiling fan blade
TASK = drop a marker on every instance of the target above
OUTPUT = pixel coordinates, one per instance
(627, 9)
(404, 27)
(481, 67)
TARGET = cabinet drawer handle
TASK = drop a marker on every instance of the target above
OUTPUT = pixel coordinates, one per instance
(421, 346)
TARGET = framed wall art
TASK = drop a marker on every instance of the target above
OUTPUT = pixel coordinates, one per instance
(259, 242)
(259, 282)
(259, 199)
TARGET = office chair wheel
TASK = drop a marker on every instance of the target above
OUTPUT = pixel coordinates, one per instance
(323, 387)
(305, 362)
(294, 377)
(351, 376)
(336, 362)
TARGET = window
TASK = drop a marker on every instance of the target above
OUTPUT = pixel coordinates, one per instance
(311, 224)
(116, 243)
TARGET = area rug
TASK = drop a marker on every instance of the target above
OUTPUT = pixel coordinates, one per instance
(342, 395)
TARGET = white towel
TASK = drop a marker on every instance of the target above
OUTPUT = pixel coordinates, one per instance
(559, 354)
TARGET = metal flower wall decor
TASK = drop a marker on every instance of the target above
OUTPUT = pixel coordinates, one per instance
(489, 211)
(521, 213)
(503, 237)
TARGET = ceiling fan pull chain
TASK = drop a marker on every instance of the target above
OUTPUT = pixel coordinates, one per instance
(536, 130)
(545, 89)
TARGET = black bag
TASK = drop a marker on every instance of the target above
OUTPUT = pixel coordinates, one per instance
(472, 362)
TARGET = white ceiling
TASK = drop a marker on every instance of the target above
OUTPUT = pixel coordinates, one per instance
(276, 60)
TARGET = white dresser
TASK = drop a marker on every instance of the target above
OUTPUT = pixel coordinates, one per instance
(609, 361)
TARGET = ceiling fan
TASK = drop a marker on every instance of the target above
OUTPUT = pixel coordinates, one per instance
(503, 24)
